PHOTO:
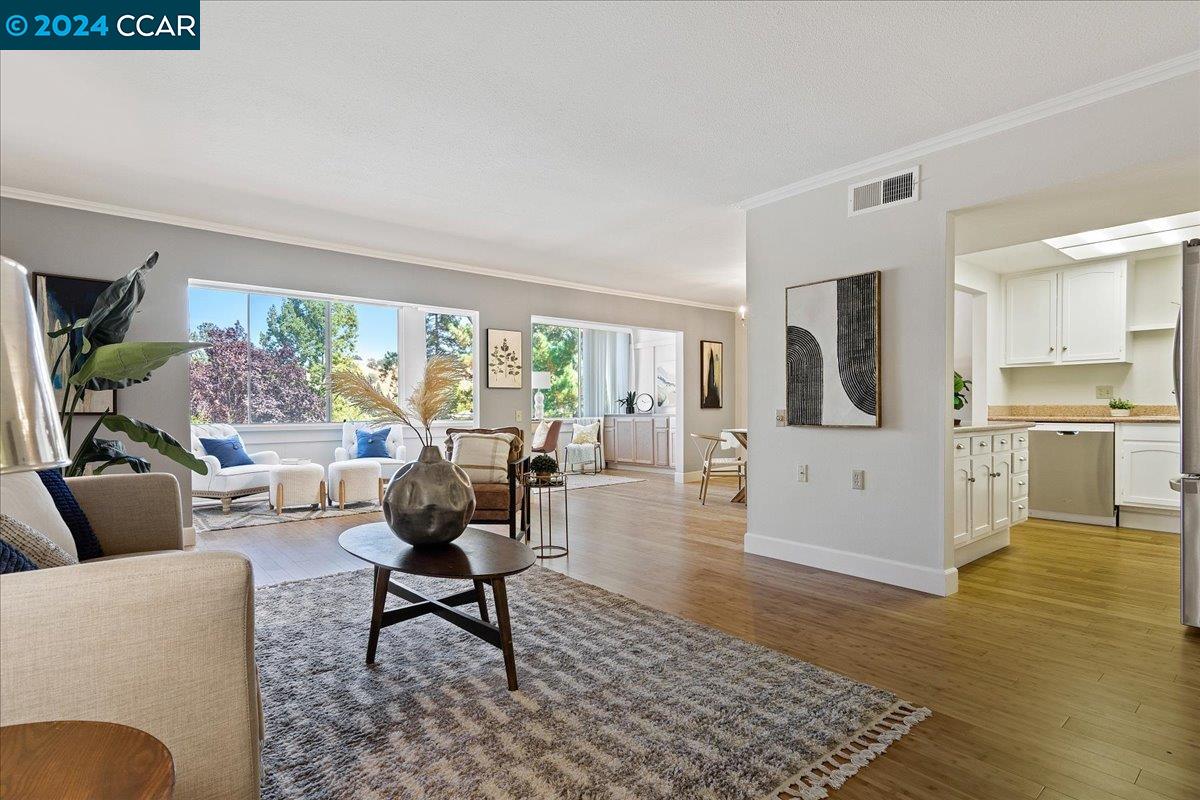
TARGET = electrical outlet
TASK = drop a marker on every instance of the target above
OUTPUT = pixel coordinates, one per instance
(520, 415)
(781, 417)
(1104, 393)
(858, 479)
(802, 473)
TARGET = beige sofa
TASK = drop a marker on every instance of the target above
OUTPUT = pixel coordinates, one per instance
(147, 636)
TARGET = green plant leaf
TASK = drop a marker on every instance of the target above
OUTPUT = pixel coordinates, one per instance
(156, 439)
(107, 451)
(113, 312)
(76, 325)
(115, 366)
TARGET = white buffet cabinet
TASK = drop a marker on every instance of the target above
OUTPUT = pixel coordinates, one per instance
(647, 440)
(990, 487)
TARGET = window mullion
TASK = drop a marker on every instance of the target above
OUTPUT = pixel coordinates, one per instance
(329, 362)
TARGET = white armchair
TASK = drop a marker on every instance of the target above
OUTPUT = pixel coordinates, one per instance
(395, 447)
(227, 483)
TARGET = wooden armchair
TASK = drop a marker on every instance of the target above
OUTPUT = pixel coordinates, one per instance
(500, 502)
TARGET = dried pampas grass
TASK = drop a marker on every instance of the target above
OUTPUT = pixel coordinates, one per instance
(430, 398)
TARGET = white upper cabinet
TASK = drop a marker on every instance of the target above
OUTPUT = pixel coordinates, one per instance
(1031, 303)
(1068, 315)
(1093, 313)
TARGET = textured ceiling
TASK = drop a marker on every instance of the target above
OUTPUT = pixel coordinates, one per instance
(598, 143)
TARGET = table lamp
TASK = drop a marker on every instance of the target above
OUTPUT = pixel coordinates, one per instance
(30, 435)
(541, 380)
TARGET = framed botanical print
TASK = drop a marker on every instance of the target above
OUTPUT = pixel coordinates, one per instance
(60, 301)
(832, 352)
(503, 359)
(712, 373)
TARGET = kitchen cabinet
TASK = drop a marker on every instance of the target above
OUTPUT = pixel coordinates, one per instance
(988, 495)
(1068, 315)
(644, 439)
(1031, 319)
(1147, 460)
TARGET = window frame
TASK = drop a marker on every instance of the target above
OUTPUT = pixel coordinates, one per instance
(404, 368)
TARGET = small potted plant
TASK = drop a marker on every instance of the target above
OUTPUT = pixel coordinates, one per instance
(962, 387)
(627, 402)
(543, 466)
(1119, 407)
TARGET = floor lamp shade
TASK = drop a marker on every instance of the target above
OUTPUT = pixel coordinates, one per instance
(30, 434)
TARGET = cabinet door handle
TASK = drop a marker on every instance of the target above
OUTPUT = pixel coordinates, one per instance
(970, 480)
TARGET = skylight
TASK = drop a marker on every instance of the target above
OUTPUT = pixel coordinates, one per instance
(1130, 238)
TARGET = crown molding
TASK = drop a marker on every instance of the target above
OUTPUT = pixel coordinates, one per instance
(1156, 73)
(15, 193)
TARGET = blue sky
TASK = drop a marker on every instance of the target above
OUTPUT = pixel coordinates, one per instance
(376, 324)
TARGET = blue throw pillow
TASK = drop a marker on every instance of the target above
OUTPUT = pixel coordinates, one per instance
(13, 560)
(372, 444)
(228, 451)
(86, 543)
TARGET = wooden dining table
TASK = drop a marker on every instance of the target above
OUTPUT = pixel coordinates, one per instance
(740, 435)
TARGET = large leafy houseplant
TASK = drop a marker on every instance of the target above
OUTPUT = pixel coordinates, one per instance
(99, 358)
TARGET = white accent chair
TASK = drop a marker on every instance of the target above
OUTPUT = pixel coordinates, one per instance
(231, 482)
(349, 449)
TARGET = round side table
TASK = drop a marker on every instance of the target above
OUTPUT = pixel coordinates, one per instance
(544, 486)
(78, 760)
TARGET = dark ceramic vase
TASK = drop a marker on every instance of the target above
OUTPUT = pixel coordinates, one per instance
(429, 501)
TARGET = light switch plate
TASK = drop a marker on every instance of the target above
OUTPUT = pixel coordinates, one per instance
(520, 415)
(802, 473)
(1104, 393)
(781, 417)
(858, 479)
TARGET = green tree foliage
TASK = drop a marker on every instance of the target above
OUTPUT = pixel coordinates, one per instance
(557, 350)
(298, 325)
(453, 335)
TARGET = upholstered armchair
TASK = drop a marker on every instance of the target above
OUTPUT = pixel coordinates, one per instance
(147, 635)
(348, 450)
(227, 483)
(500, 502)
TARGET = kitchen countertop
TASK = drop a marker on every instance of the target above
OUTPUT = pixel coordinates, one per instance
(1159, 418)
(1162, 414)
(994, 426)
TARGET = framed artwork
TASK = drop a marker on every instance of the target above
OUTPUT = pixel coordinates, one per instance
(832, 352)
(503, 359)
(712, 373)
(61, 300)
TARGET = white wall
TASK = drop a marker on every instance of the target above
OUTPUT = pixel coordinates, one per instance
(896, 530)
(964, 344)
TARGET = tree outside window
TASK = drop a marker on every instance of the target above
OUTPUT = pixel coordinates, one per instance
(454, 335)
(557, 349)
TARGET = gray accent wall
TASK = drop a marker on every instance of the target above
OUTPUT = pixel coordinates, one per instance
(87, 244)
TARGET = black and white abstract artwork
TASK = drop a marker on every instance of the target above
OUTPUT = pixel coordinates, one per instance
(833, 352)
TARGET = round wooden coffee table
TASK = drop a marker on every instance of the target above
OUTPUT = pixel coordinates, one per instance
(477, 556)
(76, 760)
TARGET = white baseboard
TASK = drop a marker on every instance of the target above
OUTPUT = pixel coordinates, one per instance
(189, 536)
(689, 477)
(940, 582)
(1150, 519)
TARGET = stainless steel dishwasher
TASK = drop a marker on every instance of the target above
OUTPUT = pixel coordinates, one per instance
(1071, 472)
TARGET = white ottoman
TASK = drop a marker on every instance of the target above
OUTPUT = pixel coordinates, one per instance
(355, 481)
(296, 485)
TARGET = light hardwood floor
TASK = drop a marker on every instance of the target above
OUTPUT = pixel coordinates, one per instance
(1058, 671)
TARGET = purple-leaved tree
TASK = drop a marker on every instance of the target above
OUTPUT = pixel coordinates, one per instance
(279, 386)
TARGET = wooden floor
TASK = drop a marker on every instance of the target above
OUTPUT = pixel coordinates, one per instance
(1058, 671)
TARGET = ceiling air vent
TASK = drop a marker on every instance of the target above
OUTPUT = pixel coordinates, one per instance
(886, 191)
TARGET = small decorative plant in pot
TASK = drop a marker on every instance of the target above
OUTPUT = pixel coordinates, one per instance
(1119, 407)
(429, 501)
(962, 387)
(543, 466)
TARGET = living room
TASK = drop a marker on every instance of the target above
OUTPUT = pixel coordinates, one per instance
(354, 320)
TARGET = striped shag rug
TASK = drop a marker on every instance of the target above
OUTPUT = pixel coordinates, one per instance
(617, 700)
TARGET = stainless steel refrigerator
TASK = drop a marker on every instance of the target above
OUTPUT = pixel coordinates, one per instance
(1187, 396)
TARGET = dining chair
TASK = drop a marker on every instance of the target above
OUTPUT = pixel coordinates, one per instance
(716, 465)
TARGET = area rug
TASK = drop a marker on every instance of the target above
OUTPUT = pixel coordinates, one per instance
(586, 481)
(248, 514)
(616, 700)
